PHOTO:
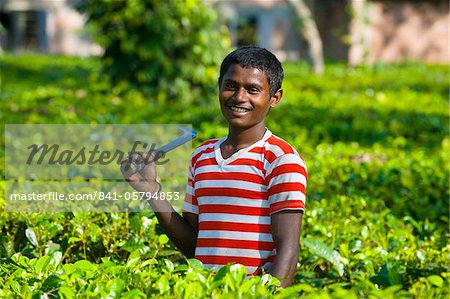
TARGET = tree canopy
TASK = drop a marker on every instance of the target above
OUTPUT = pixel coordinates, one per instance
(168, 49)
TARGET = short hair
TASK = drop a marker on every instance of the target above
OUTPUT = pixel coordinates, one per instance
(256, 57)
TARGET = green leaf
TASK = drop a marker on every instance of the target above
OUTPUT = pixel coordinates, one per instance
(392, 289)
(195, 263)
(69, 269)
(270, 280)
(168, 252)
(74, 240)
(163, 239)
(201, 278)
(42, 264)
(163, 284)
(117, 286)
(222, 273)
(169, 265)
(295, 289)
(15, 286)
(24, 261)
(321, 249)
(66, 292)
(238, 272)
(436, 280)
(389, 275)
(56, 258)
(51, 282)
(181, 268)
(149, 262)
(134, 293)
(394, 275)
(85, 265)
(31, 236)
(245, 287)
(134, 258)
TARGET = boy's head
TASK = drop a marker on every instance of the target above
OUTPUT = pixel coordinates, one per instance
(259, 58)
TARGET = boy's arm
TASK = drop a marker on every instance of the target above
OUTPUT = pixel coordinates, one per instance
(287, 177)
(182, 230)
(286, 227)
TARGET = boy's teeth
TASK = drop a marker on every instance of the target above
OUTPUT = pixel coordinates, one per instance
(237, 109)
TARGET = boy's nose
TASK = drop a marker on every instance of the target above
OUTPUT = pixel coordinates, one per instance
(240, 94)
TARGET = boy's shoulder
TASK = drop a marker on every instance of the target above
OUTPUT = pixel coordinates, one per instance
(206, 146)
(279, 152)
(279, 147)
(278, 144)
(209, 142)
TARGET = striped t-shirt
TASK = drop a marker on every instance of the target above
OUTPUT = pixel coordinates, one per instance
(235, 197)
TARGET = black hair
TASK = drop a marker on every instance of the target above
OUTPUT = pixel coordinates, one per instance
(256, 57)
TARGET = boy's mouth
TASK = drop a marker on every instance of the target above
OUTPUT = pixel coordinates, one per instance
(239, 109)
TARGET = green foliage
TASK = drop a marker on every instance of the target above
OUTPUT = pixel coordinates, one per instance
(321, 249)
(380, 132)
(170, 50)
(376, 225)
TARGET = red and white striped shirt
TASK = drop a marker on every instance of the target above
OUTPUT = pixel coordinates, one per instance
(235, 197)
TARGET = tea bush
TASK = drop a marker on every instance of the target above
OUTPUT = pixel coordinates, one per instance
(377, 148)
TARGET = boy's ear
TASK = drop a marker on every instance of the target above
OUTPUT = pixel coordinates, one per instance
(276, 98)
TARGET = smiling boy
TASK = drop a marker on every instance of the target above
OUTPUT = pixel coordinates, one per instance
(246, 191)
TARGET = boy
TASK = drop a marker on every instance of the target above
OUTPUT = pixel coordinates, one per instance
(246, 192)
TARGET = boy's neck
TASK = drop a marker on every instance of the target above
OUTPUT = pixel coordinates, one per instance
(241, 138)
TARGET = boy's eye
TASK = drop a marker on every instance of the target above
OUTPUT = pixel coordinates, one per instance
(229, 85)
(253, 90)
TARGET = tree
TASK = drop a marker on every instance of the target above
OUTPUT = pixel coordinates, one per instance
(168, 49)
(308, 28)
(357, 48)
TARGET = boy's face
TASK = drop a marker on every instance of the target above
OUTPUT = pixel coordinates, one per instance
(244, 96)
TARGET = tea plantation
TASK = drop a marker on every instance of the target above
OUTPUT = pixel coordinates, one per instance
(376, 142)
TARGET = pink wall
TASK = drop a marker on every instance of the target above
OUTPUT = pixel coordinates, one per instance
(408, 31)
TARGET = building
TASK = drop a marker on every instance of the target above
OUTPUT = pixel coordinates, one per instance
(51, 26)
(389, 31)
(267, 23)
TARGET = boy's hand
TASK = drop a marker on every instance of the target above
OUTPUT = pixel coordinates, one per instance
(143, 180)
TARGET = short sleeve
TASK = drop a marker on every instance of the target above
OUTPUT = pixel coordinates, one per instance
(190, 204)
(286, 183)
